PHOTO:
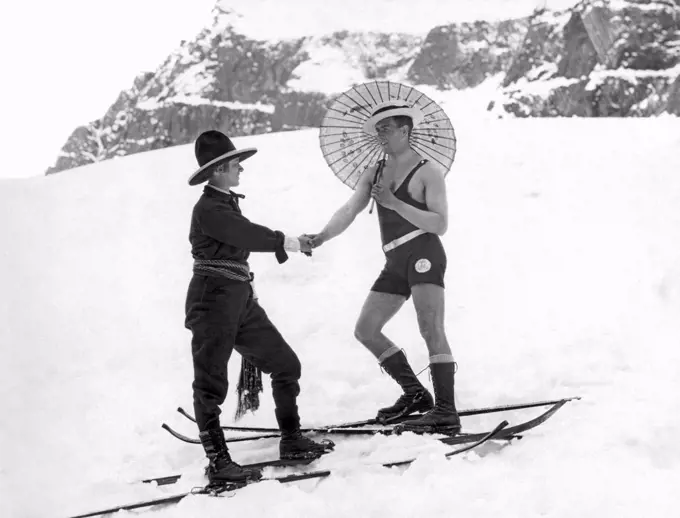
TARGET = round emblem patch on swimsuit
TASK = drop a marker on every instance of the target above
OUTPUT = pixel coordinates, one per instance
(423, 265)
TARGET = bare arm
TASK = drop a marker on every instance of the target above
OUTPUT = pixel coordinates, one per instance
(346, 214)
(436, 218)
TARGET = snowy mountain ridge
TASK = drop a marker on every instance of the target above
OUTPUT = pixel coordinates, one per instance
(553, 63)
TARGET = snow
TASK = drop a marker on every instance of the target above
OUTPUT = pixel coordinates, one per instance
(465, 104)
(649, 6)
(600, 75)
(555, 16)
(563, 280)
(195, 100)
(195, 79)
(541, 87)
(273, 19)
(335, 65)
(329, 70)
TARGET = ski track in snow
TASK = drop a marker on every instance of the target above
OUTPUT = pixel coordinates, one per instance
(563, 279)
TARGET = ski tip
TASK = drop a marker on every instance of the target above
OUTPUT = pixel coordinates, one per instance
(500, 427)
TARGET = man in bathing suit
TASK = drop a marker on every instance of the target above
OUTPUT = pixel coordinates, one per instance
(413, 213)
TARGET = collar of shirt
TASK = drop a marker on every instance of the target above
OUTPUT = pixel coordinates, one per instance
(228, 193)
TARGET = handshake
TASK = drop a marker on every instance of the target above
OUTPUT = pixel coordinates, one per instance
(310, 241)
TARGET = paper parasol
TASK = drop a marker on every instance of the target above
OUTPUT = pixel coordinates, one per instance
(349, 150)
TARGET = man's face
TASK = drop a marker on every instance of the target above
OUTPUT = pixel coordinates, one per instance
(390, 135)
(228, 175)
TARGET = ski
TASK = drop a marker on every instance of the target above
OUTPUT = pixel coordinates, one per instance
(493, 434)
(162, 481)
(352, 424)
(341, 431)
(191, 440)
(210, 489)
(268, 433)
(369, 422)
(513, 432)
(275, 463)
(338, 431)
(510, 432)
(459, 438)
(217, 489)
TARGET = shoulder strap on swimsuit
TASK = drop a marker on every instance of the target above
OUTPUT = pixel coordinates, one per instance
(413, 172)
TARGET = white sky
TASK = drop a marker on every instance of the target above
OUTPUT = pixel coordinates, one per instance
(64, 62)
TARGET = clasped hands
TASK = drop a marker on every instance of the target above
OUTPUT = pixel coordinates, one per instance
(381, 194)
(308, 242)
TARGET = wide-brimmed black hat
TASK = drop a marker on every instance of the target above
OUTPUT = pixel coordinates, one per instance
(213, 148)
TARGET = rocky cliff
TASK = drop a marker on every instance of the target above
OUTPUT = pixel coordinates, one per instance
(619, 58)
(225, 80)
(597, 58)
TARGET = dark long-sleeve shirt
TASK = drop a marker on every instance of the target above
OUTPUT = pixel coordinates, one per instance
(220, 231)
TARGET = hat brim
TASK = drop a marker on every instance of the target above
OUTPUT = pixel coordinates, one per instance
(415, 114)
(204, 173)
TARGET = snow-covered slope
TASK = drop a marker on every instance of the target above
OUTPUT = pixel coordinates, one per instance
(563, 279)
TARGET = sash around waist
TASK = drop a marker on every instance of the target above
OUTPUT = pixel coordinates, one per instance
(225, 268)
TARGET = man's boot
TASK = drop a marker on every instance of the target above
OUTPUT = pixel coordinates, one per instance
(221, 469)
(293, 444)
(415, 398)
(443, 418)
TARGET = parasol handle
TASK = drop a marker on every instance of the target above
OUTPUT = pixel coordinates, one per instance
(378, 174)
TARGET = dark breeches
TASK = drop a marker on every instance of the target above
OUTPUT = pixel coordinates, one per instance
(222, 316)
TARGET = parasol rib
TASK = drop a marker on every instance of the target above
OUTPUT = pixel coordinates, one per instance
(362, 98)
(355, 151)
(426, 132)
(338, 160)
(358, 104)
(430, 156)
(369, 93)
(379, 92)
(370, 155)
(356, 171)
(354, 108)
(342, 127)
(357, 142)
(350, 125)
(424, 144)
(346, 114)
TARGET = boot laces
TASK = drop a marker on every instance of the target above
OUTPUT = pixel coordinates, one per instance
(404, 400)
(301, 440)
(455, 370)
(294, 435)
(410, 399)
(222, 458)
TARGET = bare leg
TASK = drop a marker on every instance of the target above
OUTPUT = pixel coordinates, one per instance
(378, 309)
(428, 300)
